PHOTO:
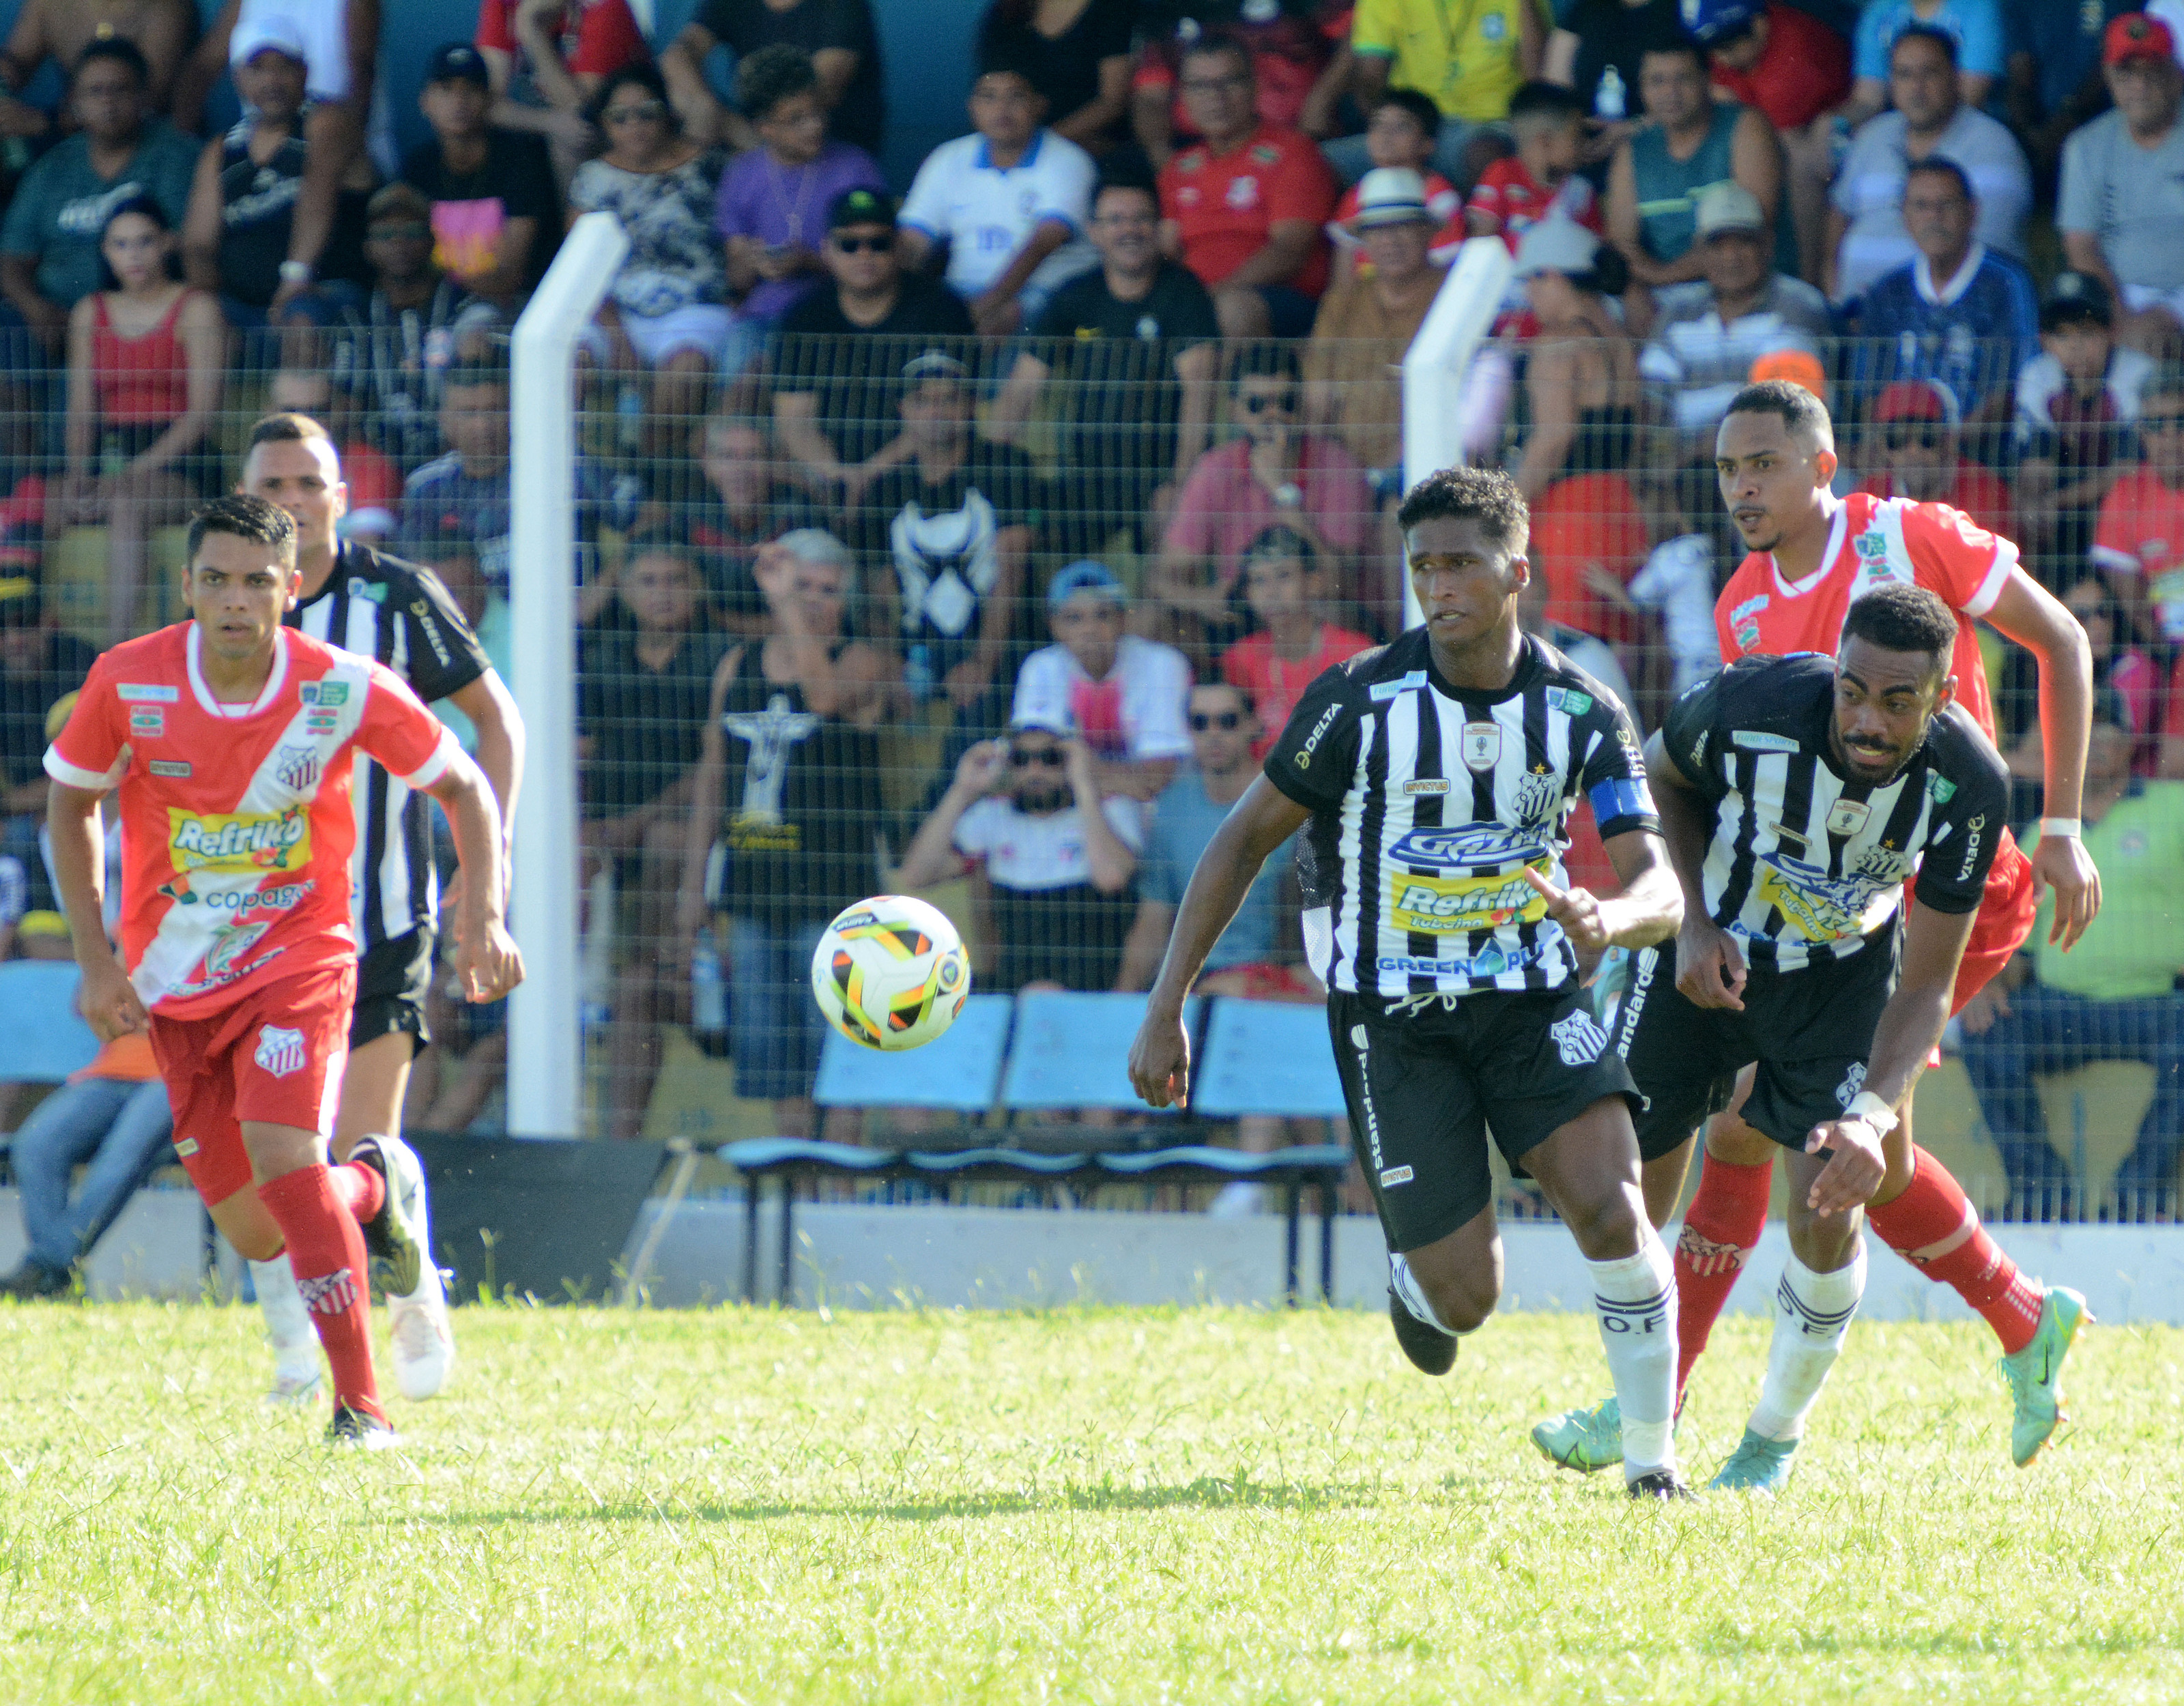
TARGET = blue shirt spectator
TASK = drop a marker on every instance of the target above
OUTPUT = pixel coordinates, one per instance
(1974, 25)
(1961, 315)
(2055, 57)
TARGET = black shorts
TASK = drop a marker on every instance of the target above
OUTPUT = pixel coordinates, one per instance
(1809, 1031)
(1425, 1087)
(392, 982)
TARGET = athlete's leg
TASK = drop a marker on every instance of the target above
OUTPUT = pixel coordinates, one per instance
(1721, 1227)
(1589, 1170)
(373, 1086)
(317, 1209)
(1458, 1277)
(1922, 1213)
(1661, 1178)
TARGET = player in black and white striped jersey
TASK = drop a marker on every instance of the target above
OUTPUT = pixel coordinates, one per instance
(401, 614)
(1435, 778)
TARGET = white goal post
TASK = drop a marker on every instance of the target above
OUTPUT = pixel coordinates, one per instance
(545, 1030)
(1434, 365)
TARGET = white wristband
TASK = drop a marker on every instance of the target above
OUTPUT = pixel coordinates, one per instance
(1875, 1113)
(2074, 828)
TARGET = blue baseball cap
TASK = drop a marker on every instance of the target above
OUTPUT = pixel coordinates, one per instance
(1710, 21)
(1087, 574)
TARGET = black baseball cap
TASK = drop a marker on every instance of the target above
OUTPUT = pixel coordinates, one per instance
(859, 207)
(458, 61)
(2074, 297)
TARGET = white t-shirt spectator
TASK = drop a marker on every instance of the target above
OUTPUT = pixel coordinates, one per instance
(2043, 381)
(1869, 191)
(1029, 853)
(1136, 713)
(1678, 582)
(987, 213)
(2130, 199)
(1696, 364)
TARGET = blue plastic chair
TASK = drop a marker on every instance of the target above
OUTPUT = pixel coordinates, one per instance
(958, 1070)
(1073, 1051)
(1267, 1057)
(41, 1039)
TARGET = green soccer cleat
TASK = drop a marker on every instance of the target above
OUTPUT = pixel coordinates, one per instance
(1584, 1440)
(1758, 1464)
(2034, 1374)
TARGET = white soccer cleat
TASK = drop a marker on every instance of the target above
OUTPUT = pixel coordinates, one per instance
(423, 1344)
(296, 1385)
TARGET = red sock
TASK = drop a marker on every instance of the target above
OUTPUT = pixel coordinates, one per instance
(358, 1188)
(1720, 1228)
(326, 1250)
(1933, 1226)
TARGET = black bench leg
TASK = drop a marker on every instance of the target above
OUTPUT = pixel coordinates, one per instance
(785, 1294)
(1326, 1240)
(750, 1237)
(1289, 1270)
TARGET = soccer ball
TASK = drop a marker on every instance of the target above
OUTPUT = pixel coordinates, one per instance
(891, 973)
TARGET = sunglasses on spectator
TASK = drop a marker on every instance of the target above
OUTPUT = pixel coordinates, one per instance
(857, 246)
(1023, 758)
(1202, 721)
(630, 115)
(1258, 401)
(1926, 438)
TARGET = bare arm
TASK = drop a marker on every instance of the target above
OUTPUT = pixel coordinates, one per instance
(201, 224)
(1710, 969)
(1112, 863)
(554, 81)
(1049, 235)
(333, 141)
(206, 65)
(493, 712)
(110, 1005)
(705, 804)
(931, 856)
(1559, 63)
(683, 69)
(1019, 396)
(82, 422)
(1368, 78)
(1146, 941)
(1288, 247)
(1316, 117)
(1755, 161)
(2083, 251)
(1153, 124)
(796, 419)
(18, 283)
(487, 964)
(1195, 367)
(1257, 824)
(1097, 116)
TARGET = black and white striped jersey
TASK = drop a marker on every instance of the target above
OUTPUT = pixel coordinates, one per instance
(1427, 805)
(1803, 865)
(403, 615)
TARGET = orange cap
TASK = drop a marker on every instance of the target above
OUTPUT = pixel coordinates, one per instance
(1796, 366)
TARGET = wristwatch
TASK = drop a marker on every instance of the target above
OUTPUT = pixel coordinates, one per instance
(298, 272)
(1289, 494)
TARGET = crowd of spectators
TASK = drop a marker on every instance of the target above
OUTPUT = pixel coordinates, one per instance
(982, 525)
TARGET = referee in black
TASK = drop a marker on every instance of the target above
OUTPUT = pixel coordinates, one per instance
(1435, 778)
(402, 614)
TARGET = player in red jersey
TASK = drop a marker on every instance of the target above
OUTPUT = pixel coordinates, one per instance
(228, 740)
(1812, 555)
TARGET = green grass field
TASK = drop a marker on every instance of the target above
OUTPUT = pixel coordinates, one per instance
(1128, 1506)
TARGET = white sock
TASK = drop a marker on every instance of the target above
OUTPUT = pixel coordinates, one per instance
(287, 1322)
(1812, 1313)
(1636, 1298)
(1413, 1295)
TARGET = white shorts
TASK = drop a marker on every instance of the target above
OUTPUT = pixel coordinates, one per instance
(2140, 298)
(702, 326)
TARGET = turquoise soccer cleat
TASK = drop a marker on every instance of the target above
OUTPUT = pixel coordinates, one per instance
(1758, 1464)
(1584, 1440)
(2034, 1374)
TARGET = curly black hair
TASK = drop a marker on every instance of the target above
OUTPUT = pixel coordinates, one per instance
(1898, 616)
(249, 518)
(1485, 495)
(776, 73)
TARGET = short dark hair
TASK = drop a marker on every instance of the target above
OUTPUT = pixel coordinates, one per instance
(1485, 495)
(657, 541)
(1265, 358)
(1898, 616)
(288, 427)
(1123, 175)
(123, 52)
(1551, 102)
(1005, 59)
(1279, 544)
(1221, 684)
(1227, 41)
(246, 517)
(1801, 411)
(1675, 44)
(777, 72)
(1942, 39)
(144, 207)
(1424, 112)
(1942, 167)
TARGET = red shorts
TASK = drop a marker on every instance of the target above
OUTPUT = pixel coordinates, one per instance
(275, 1056)
(2003, 924)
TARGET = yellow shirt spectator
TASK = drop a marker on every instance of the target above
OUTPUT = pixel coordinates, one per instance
(1466, 55)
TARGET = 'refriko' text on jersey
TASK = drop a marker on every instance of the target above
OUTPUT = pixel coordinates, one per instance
(1803, 865)
(1427, 805)
(400, 615)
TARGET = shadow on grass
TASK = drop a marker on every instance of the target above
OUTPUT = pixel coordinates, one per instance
(1208, 1493)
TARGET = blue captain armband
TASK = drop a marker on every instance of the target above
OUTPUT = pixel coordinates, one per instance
(1620, 797)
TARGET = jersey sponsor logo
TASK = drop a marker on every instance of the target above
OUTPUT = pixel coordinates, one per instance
(148, 724)
(1318, 733)
(280, 1050)
(1403, 684)
(1819, 907)
(1759, 741)
(1468, 846)
(325, 694)
(1570, 700)
(1974, 832)
(170, 767)
(426, 621)
(1699, 749)
(147, 692)
(1579, 1038)
(1744, 621)
(1444, 905)
(1243, 192)
(297, 768)
(322, 722)
(1872, 546)
(1942, 788)
(241, 841)
(1490, 961)
(1428, 785)
(1392, 1176)
(1633, 1003)
(1847, 817)
(375, 591)
(240, 902)
(1480, 744)
(1362, 1039)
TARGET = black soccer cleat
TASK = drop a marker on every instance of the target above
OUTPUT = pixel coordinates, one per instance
(358, 1428)
(1667, 1485)
(394, 1233)
(33, 1280)
(1431, 1351)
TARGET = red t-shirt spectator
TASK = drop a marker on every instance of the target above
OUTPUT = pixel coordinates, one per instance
(2142, 533)
(1516, 200)
(1221, 508)
(1980, 493)
(597, 37)
(1802, 72)
(1288, 52)
(1224, 205)
(1589, 522)
(1274, 683)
